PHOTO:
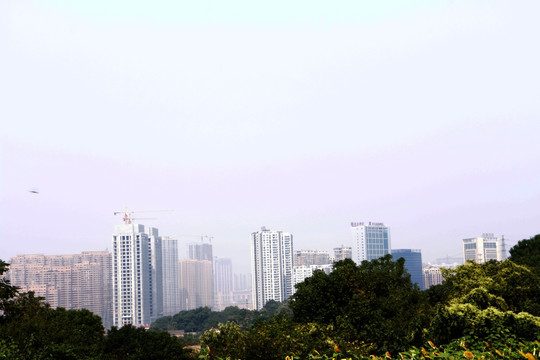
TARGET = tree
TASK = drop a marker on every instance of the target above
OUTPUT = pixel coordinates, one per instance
(374, 302)
(527, 252)
(516, 284)
(493, 302)
(133, 343)
(7, 291)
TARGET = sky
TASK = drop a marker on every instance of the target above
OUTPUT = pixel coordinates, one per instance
(299, 116)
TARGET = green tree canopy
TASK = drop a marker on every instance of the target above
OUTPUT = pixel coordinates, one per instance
(517, 285)
(527, 252)
(374, 302)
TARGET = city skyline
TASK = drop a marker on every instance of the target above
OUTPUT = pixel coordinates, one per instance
(302, 116)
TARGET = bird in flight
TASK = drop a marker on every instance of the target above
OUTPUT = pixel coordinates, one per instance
(34, 191)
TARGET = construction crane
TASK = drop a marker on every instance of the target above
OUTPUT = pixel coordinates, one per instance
(128, 214)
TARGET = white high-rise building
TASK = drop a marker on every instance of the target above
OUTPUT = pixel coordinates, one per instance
(484, 248)
(271, 266)
(136, 264)
(171, 277)
(370, 241)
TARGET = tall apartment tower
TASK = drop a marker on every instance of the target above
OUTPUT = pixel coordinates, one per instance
(413, 264)
(271, 266)
(196, 283)
(171, 277)
(156, 273)
(201, 251)
(223, 283)
(432, 276)
(370, 240)
(484, 248)
(136, 265)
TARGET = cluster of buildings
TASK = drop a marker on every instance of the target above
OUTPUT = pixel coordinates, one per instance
(143, 278)
(276, 269)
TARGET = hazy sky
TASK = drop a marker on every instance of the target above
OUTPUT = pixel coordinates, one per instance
(299, 116)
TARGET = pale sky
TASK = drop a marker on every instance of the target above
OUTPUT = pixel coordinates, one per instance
(299, 116)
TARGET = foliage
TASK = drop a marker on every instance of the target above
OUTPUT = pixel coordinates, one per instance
(527, 252)
(276, 339)
(133, 343)
(517, 285)
(201, 319)
(374, 302)
(31, 330)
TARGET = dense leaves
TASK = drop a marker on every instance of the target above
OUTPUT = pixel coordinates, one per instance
(203, 318)
(375, 302)
(527, 252)
(31, 330)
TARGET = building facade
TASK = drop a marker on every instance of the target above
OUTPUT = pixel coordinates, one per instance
(171, 277)
(432, 276)
(196, 283)
(223, 283)
(79, 281)
(271, 266)
(484, 248)
(137, 277)
(301, 273)
(342, 253)
(413, 264)
(370, 240)
(311, 257)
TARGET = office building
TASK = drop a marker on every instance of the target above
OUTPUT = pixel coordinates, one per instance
(311, 257)
(413, 264)
(370, 241)
(342, 253)
(271, 264)
(171, 277)
(78, 281)
(484, 248)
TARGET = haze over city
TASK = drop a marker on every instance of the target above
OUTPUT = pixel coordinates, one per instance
(299, 117)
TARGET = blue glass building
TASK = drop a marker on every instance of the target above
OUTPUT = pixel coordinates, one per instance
(413, 264)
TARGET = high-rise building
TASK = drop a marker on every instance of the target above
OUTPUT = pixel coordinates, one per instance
(196, 283)
(156, 273)
(484, 248)
(370, 240)
(342, 253)
(79, 281)
(432, 276)
(201, 251)
(413, 264)
(223, 282)
(271, 266)
(171, 277)
(311, 257)
(137, 283)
